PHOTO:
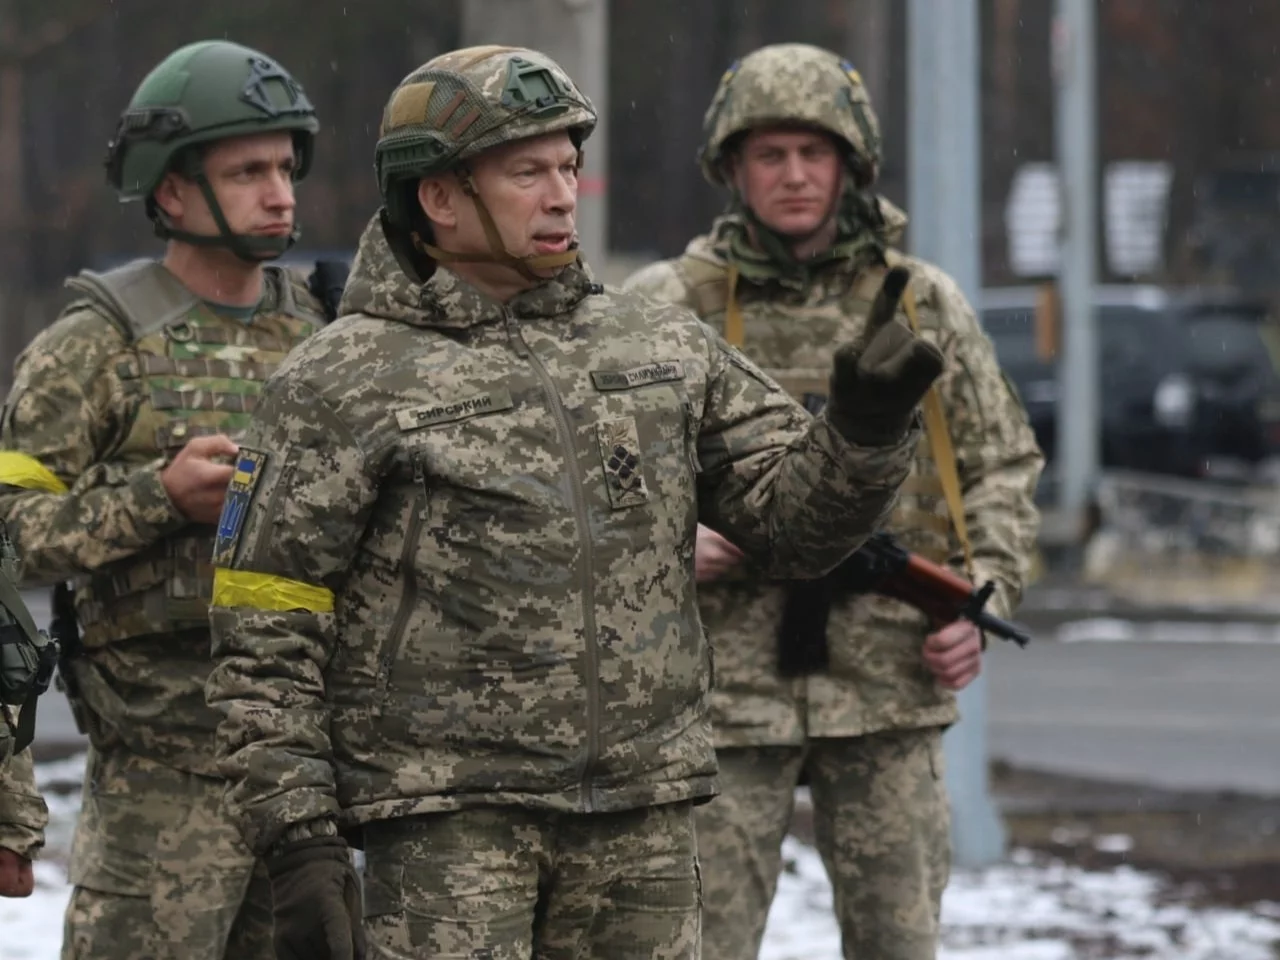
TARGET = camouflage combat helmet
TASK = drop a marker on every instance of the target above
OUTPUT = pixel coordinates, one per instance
(200, 93)
(448, 111)
(792, 83)
(27, 656)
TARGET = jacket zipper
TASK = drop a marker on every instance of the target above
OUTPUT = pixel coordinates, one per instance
(408, 600)
(691, 439)
(576, 486)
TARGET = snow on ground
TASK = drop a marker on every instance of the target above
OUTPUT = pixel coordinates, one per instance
(31, 929)
(1029, 908)
(1114, 630)
(1034, 908)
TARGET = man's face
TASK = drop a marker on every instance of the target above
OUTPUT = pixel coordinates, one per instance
(789, 177)
(251, 176)
(530, 188)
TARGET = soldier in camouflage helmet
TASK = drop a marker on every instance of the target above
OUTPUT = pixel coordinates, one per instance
(787, 274)
(116, 447)
(453, 601)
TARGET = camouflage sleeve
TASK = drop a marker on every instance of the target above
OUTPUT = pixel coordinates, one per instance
(23, 814)
(787, 488)
(997, 457)
(69, 508)
(294, 513)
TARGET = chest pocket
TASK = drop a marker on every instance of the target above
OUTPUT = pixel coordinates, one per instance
(645, 435)
(469, 459)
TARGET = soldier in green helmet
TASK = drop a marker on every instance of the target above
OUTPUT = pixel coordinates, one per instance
(818, 682)
(117, 446)
(456, 623)
(27, 661)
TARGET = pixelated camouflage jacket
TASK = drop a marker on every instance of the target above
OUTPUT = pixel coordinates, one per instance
(23, 814)
(792, 323)
(92, 418)
(457, 566)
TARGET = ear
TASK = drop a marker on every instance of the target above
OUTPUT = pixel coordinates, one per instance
(169, 196)
(438, 198)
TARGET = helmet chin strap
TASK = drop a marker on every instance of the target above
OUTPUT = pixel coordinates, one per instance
(250, 249)
(498, 253)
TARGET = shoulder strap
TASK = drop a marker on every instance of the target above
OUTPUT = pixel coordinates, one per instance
(733, 328)
(713, 286)
(139, 297)
(706, 279)
(944, 456)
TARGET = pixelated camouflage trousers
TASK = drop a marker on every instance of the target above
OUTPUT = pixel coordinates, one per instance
(881, 825)
(508, 884)
(159, 872)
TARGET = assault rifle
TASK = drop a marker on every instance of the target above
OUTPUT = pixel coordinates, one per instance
(882, 566)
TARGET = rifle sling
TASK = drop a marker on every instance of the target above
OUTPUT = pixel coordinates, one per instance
(935, 424)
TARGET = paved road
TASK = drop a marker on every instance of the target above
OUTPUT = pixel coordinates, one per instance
(1180, 714)
(1185, 714)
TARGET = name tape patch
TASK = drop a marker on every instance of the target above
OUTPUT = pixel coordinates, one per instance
(638, 376)
(430, 414)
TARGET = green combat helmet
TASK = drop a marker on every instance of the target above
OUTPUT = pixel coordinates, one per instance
(27, 656)
(203, 92)
(447, 111)
(792, 83)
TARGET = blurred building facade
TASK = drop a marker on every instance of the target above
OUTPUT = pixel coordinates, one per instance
(1189, 131)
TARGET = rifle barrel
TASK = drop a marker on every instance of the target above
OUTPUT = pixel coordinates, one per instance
(990, 623)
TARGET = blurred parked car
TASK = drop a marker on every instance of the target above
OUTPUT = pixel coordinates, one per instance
(1235, 364)
(1148, 404)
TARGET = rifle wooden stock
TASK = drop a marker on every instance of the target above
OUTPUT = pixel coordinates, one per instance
(933, 589)
(882, 566)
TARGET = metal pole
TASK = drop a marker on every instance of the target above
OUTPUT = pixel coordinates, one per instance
(574, 33)
(946, 228)
(922, 129)
(13, 203)
(1074, 38)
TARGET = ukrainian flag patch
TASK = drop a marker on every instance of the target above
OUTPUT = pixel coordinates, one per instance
(235, 508)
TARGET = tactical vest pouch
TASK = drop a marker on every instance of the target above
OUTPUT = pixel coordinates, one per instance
(139, 297)
(189, 372)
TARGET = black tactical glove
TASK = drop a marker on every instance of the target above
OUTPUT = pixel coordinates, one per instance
(316, 898)
(877, 382)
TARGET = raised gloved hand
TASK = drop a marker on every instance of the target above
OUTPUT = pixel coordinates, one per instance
(316, 899)
(877, 381)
